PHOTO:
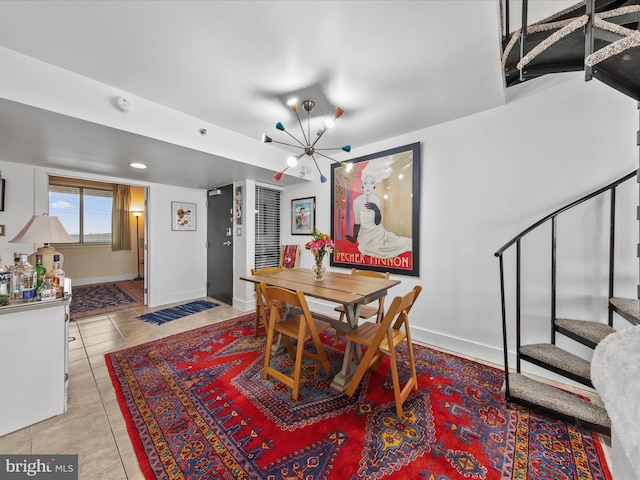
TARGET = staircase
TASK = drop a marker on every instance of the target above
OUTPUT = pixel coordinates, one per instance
(601, 37)
(521, 389)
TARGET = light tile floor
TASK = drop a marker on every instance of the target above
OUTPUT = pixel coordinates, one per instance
(93, 426)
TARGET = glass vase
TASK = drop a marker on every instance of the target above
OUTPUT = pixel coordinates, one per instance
(318, 271)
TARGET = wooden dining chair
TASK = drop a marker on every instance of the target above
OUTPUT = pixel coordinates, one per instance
(289, 256)
(261, 303)
(366, 311)
(297, 324)
(383, 339)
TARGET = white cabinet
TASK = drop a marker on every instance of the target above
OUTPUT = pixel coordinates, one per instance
(34, 341)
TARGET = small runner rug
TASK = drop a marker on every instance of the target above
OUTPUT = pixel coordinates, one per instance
(196, 406)
(171, 313)
(101, 298)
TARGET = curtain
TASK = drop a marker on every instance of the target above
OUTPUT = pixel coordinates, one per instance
(121, 218)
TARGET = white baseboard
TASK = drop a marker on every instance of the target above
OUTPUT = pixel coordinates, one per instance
(91, 281)
(185, 296)
(244, 305)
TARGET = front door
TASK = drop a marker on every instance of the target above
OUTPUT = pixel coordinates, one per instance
(220, 244)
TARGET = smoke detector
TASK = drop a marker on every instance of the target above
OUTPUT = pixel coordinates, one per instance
(123, 104)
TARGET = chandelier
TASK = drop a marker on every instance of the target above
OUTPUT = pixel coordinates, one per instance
(308, 144)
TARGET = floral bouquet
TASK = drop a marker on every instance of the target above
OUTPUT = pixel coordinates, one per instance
(319, 246)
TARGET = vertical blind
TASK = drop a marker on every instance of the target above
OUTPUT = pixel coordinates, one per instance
(267, 227)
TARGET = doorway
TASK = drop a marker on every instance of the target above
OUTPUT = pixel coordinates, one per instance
(220, 244)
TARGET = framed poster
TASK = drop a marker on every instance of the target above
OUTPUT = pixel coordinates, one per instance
(376, 212)
(183, 216)
(303, 215)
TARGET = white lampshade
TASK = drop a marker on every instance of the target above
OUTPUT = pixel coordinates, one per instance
(44, 229)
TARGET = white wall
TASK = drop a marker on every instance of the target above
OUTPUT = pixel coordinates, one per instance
(33, 82)
(488, 176)
(176, 268)
(484, 178)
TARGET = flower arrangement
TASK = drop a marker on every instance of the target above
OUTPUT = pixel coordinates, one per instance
(319, 246)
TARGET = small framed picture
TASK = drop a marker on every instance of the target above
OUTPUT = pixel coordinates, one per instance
(303, 215)
(238, 205)
(2, 195)
(183, 216)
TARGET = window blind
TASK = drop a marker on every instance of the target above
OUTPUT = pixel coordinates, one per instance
(267, 210)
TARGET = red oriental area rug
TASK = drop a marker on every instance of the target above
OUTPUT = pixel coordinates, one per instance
(197, 407)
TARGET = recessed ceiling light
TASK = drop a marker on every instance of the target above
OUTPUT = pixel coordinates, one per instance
(137, 165)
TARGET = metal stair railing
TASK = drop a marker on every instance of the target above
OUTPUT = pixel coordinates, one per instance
(517, 242)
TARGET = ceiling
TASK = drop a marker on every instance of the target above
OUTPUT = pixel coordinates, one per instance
(393, 66)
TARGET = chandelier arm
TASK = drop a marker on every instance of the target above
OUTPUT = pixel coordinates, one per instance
(325, 156)
(302, 144)
(319, 137)
(330, 148)
(288, 144)
(301, 129)
(314, 161)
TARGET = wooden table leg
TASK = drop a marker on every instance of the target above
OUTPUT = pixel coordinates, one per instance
(349, 366)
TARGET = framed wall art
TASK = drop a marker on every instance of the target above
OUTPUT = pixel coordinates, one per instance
(375, 206)
(303, 215)
(183, 216)
(238, 214)
(2, 183)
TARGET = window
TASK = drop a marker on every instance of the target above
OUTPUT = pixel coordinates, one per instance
(84, 212)
(267, 227)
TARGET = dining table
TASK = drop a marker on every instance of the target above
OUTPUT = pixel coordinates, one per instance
(351, 291)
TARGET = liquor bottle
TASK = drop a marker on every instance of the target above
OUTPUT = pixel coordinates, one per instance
(25, 277)
(5, 284)
(49, 292)
(58, 276)
(40, 270)
(15, 278)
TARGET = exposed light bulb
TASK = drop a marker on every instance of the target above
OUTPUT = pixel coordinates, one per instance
(329, 123)
(348, 166)
(292, 161)
(292, 101)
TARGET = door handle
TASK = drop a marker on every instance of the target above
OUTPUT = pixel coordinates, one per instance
(227, 243)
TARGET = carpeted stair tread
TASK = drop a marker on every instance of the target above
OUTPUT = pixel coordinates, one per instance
(558, 360)
(593, 332)
(556, 400)
(628, 308)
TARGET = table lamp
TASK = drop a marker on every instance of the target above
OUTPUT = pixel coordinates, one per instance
(44, 229)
